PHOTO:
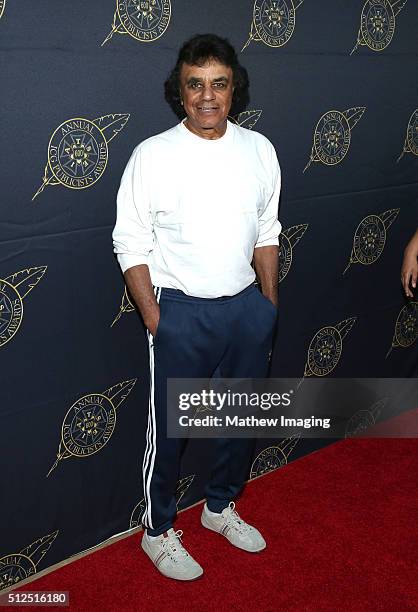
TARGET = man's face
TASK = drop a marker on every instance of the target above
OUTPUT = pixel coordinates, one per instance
(207, 97)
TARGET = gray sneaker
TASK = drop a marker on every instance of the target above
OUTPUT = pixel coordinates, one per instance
(170, 557)
(238, 532)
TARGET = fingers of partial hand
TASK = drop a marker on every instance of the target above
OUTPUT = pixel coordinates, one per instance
(409, 276)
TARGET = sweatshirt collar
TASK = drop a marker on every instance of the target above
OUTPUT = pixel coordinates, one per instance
(198, 139)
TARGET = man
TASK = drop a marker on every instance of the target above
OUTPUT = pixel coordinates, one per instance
(409, 271)
(197, 203)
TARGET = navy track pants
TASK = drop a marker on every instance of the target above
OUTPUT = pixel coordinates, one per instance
(195, 337)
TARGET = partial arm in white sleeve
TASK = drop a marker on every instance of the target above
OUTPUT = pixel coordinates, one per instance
(269, 225)
(132, 234)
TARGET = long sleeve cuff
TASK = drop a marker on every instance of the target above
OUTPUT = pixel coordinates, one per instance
(268, 242)
(271, 237)
(128, 260)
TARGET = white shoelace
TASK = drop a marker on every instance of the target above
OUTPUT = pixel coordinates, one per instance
(234, 520)
(173, 546)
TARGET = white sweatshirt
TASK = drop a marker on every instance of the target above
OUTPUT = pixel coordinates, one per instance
(194, 209)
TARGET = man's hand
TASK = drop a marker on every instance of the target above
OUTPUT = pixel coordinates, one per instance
(409, 270)
(140, 287)
(151, 323)
(266, 263)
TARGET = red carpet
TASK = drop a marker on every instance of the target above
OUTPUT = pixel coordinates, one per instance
(341, 531)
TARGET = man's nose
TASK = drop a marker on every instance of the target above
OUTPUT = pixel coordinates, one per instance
(208, 92)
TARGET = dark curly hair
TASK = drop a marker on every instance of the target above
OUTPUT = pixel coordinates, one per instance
(196, 52)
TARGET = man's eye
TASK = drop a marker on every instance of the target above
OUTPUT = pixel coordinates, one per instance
(220, 85)
(195, 85)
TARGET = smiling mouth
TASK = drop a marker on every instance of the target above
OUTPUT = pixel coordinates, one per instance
(207, 109)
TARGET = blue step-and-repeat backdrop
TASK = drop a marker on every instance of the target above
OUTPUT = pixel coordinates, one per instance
(333, 86)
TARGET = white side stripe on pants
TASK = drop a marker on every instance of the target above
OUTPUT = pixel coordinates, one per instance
(151, 442)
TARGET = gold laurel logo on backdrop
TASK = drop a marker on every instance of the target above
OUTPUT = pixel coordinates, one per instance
(288, 239)
(90, 422)
(273, 22)
(332, 135)
(2, 6)
(377, 23)
(126, 306)
(370, 238)
(411, 138)
(363, 419)
(326, 347)
(78, 151)
(201, 408)
(273, 457)
(137, 513)
(144, 20)
(246, 119)
(18, 566)
(406, 327)
(13, 289)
